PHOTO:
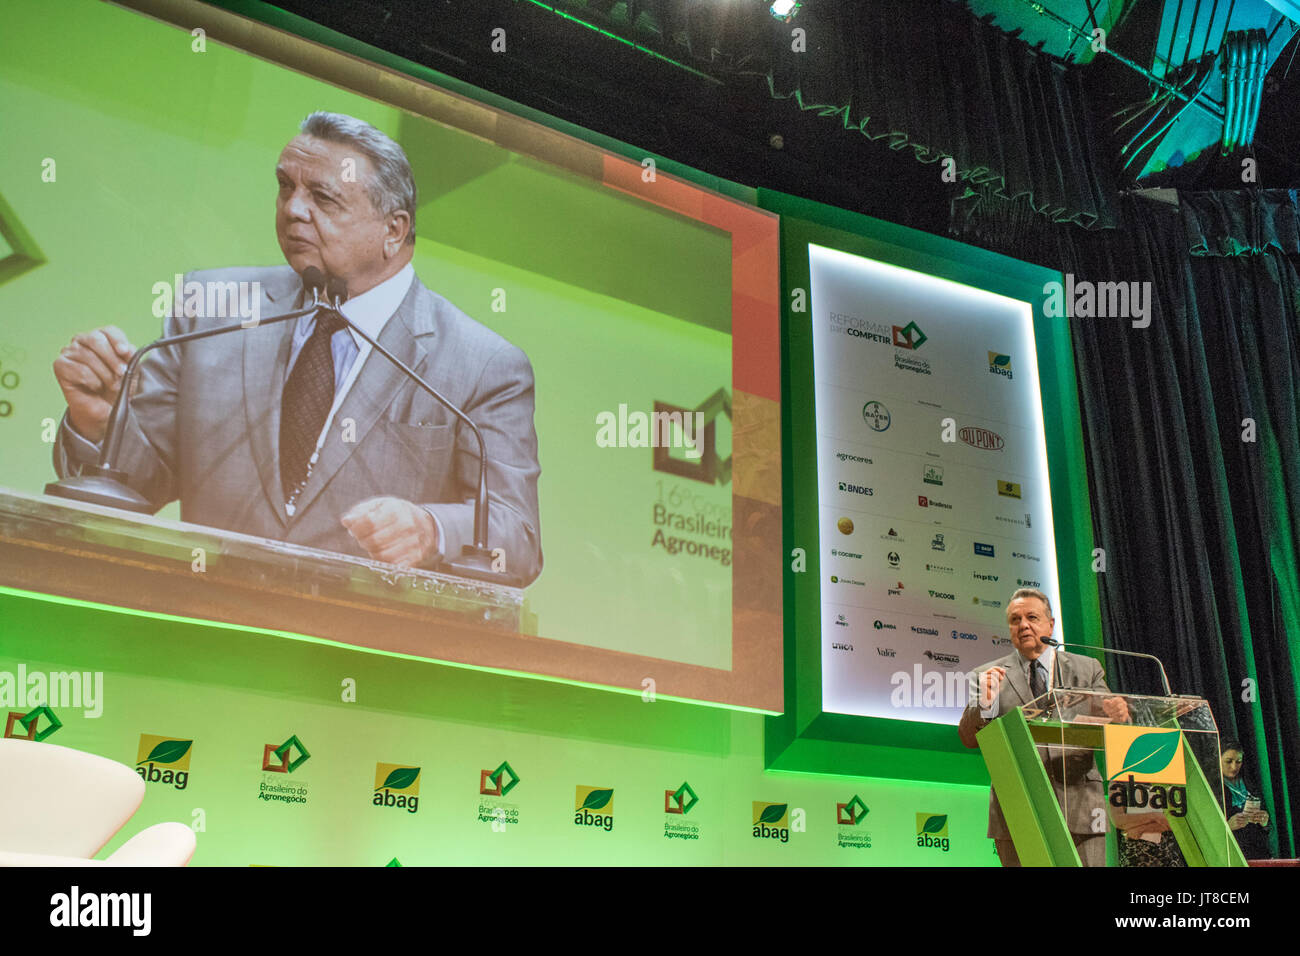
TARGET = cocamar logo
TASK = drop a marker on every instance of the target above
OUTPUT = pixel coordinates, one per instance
(589, 802)
(1151, 763)
(397, 786)
(164, 760)
(932, 831)
(772, 821)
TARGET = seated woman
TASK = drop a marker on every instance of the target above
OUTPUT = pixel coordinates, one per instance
(1245, 811)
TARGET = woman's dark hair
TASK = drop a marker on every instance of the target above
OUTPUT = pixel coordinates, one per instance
(1230, 743)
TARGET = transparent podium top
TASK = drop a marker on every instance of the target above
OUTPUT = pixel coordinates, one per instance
(1130, 760)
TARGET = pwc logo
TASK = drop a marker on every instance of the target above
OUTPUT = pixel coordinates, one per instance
(164, 760)
(397, 786)
(1145, 768)
(709, 468)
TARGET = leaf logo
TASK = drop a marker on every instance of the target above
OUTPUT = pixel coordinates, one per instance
(1002, 361)
(1149, 753)
(597, 799)
(157, 749)
(169, 751)
(936, 823)
(401, 778)
(772, 813)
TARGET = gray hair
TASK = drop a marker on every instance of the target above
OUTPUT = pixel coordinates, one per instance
(393, 187)
(1033, 593)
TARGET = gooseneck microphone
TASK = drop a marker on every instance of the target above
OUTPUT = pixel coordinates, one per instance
(104, 483)
(1108, 650)
(475, 559)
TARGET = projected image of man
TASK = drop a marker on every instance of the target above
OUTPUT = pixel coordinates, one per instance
(296, 431)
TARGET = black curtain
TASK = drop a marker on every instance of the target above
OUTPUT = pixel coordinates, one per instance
(1190, 428)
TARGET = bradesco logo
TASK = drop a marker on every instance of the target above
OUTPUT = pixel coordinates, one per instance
(1149, 768)
(164, 760)
(594, 807)
(772, 821)
(398, 786)
(981, 438)
(932, 831)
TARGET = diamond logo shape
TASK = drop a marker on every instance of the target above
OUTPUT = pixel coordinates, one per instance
(29, 723)
(851, 813)
(492, 782)
(281, 753)
(675, 801)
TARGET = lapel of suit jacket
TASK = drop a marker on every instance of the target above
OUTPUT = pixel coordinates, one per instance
(266, 355)
(374, 389)
(1015, 666)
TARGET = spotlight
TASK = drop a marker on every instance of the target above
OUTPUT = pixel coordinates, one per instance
(785, 9)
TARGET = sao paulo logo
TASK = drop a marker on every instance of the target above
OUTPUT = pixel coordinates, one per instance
(771, 821)
(164, 760)
(1000, 365)
(932, 831)
(594, 807)
(1145, 768)
(398, 786)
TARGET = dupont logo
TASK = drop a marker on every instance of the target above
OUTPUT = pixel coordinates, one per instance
(1000, 365)
(856, 489)
(877, 416)
(929, 631)
(164, 760)
(30, 724)
(983, 550)
(932, 474)
(771, 821)
(943, 596)
(909, 336)
(981, 438)
(678, 803)
(1008, 489)
(882, 626)
(932, 831)
(397, 786)
(594, 807)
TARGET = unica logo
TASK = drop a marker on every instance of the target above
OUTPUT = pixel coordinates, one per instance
(1145, 768)
(772, 821)
(594, 807)
(398, 786)
(932, 831)
(164, 760)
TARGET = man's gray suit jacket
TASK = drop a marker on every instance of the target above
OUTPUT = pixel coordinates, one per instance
(1072, 771)
(205, 425)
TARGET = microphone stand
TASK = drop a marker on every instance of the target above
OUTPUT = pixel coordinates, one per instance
(1164, 678)
(106, 484)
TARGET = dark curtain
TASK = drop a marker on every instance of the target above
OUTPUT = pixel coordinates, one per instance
(930, 76)
(1190, 427)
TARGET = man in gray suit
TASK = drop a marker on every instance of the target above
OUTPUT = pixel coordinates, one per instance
(1013, 681)
(294, 431)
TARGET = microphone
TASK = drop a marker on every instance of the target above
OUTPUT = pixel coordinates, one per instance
(1163, 677)
(475, 559)
(104, 483)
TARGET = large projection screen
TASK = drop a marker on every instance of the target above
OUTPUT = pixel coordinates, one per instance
(140, 155)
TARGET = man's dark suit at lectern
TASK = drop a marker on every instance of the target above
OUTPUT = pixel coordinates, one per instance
(1010, 682)
(295, 431)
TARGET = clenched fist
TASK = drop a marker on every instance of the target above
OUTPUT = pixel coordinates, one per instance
(89, 369)
(393, 530)
(990, 684)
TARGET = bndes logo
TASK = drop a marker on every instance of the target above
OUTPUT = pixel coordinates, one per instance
(985, 577)
(943, 595)
(856, 489)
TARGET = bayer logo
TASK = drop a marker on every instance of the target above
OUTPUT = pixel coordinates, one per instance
(876, 415)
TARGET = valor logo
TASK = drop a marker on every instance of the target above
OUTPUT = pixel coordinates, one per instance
(877, 416)
(932, 831)
(981, 438)
(932, 474)
(1008, 489)
(497, 783)
(885, 651)
(848, 816)
(1000, 365)
(164, 760)
(597, 799)
(679, 803)
(771, 821)
(1152, 765)
(909, 336)
(397, 786)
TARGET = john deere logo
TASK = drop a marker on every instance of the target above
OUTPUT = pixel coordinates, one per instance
(397, 786)
(26, 726)
(1000, 365)
(680, 800)
(908, 336)
(164, 760)
(932, 831)
(594, 807)
(772, 821)
(1145, 768)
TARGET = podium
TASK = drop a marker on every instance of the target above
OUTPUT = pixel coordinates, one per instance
(1157, 759)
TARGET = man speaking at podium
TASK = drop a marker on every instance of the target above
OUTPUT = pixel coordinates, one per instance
(294, 431)
(1013, 681)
